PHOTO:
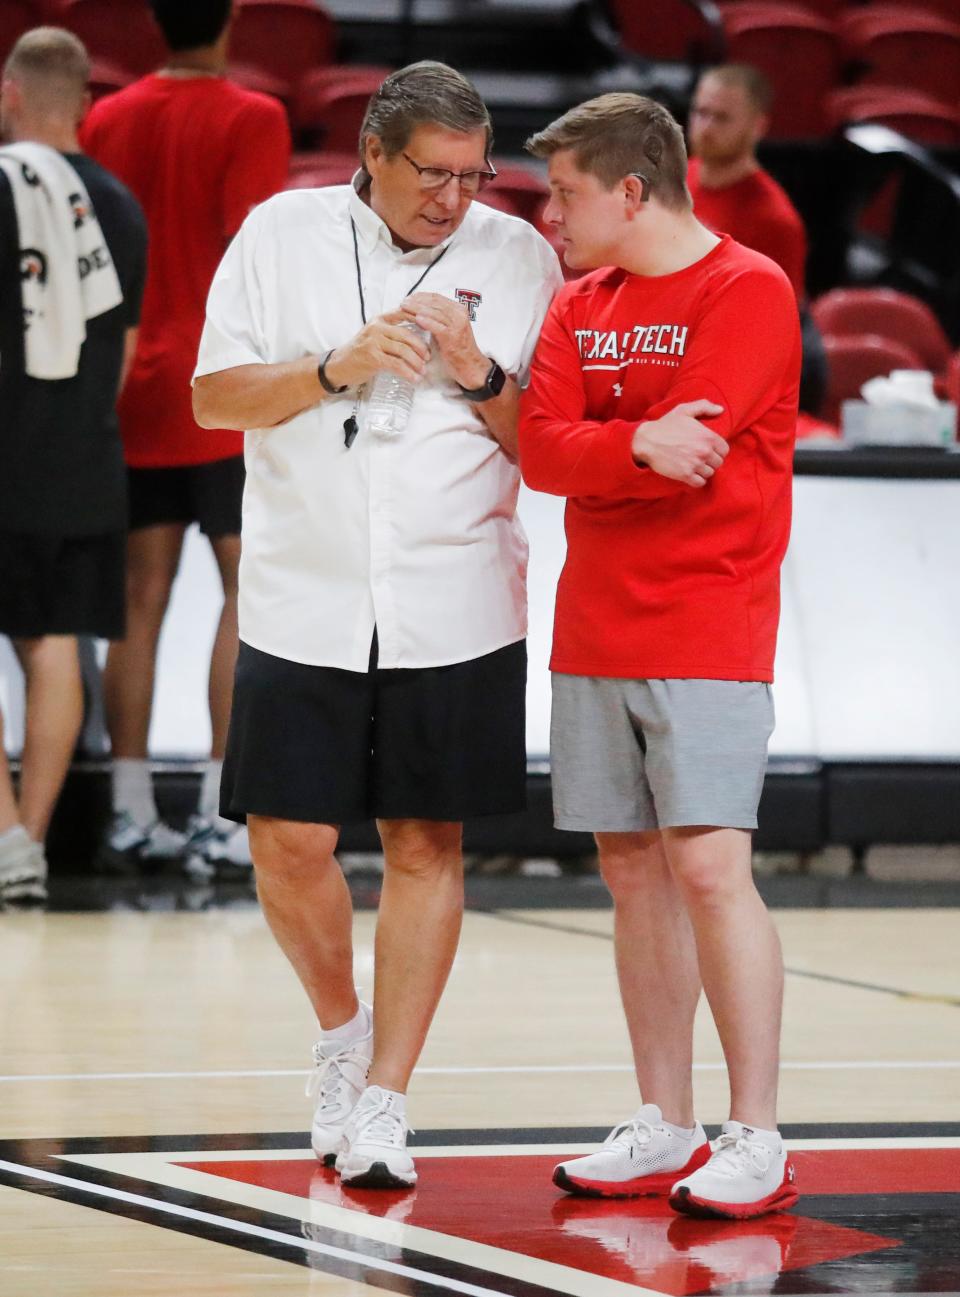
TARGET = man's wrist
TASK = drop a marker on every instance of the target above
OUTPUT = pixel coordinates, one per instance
(330, 380)
(475, 373)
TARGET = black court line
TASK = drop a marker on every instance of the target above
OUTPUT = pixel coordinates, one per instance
(899, 992)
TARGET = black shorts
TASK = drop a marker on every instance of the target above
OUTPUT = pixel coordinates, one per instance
(326, 746)
(208, 494)
(63, 585)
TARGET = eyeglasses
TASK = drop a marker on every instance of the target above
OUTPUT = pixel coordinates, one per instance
(436, 178)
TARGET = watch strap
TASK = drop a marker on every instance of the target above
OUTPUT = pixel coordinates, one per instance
(322, 375)
(492, 385)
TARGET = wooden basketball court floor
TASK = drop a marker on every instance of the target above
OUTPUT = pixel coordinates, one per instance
(152, 1117)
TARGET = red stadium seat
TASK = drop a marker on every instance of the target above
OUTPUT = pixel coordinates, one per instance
(107, 78)
(904, 46)
(909, 112)
(332, 101)
(886, 313)
(282, 41)
(16, 17)
(317, 170)
(519, 191)
(798, 51)
(680, 30)
(117, 32)
(854, 359)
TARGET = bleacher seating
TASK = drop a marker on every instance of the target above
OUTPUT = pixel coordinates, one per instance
(799, 52)
(853, 359)
(120, 34)
(887, 313)
(913, 113)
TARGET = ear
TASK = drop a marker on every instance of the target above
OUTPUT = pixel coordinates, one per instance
(373, 151)
(760, 127)
(636, 192)
(84, 108)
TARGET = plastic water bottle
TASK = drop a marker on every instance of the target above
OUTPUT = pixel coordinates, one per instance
(391, 397)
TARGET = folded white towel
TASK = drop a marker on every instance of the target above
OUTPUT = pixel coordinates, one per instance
(67, 275)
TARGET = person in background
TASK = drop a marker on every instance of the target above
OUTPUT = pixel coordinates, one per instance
(72, 267)
(662, 404)
(734, 195)
(199, 152)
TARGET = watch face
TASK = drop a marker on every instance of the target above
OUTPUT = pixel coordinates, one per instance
(496, 379)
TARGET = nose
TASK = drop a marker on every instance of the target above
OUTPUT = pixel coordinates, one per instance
(449, 196)
(551, 213)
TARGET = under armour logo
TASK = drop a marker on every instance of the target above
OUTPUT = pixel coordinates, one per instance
(618, 389)
(791, 1172)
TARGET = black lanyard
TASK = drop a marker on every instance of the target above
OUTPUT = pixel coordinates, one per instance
(350, 426)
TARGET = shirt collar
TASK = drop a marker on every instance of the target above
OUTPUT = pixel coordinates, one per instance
(371, 230)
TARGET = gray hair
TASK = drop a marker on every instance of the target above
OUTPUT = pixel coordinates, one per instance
(422, 94)
(52, 64)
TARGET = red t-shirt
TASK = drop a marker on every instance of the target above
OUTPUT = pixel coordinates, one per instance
(757, 213)
(198, 152)
(662, 580)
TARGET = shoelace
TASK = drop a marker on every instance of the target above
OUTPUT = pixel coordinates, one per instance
(630, 1134)
(331, 1066)
(384, 1126)
(732, 1152)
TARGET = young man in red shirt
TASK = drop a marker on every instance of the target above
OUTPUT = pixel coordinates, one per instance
(199, 152)
(663, 405)
(733, 195)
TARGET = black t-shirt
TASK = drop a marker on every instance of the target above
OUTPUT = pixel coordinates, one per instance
(61, 459)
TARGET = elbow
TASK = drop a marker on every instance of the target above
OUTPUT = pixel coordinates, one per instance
(203, 412)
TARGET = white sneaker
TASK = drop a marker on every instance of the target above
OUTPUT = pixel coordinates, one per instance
(640, 1158)
(336, 1083)
(23, 867)
(748, 1174)
(214, 851)
(375, 1138)
(127, 844)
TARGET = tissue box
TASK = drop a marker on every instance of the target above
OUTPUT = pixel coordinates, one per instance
(863, 424)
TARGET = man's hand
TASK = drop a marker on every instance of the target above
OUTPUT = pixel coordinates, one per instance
(382, 344)
(677, 446)
(449, 322)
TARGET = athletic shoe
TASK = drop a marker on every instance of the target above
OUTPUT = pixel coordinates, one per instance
(336, 1082)
(640, 1158)
(749, 1174)
(375, 1154)
(211, 851)
(127, 844)
(23, 868)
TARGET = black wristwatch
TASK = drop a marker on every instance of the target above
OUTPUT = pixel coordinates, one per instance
(492, 385)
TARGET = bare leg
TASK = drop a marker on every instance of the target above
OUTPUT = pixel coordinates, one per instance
(307, 904)
(740, 961)
(54, 718)
(153, 556)
(421, 911)
(656, 967)
(9, 814)
(223, 659)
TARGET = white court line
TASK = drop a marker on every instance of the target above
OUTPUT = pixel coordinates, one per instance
(851, 1065)
(362, 1259)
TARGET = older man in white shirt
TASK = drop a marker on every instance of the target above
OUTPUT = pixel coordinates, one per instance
(382, 585)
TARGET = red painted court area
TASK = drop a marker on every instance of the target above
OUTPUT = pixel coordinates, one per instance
(508, 1202)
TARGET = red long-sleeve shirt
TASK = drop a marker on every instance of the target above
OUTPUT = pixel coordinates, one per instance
(662, 580)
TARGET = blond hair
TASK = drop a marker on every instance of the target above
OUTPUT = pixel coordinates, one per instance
(53, 67)
(618, 135)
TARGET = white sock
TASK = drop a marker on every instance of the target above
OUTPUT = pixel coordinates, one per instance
(132, 790)
(358, 1027)
(210, 790)
(684, 1132)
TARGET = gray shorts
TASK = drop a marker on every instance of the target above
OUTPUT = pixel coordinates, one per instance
(635, 755)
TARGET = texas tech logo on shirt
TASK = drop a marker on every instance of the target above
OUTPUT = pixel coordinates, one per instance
(658, 344)
(471, 300)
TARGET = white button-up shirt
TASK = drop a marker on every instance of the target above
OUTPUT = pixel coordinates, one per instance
(416, 535)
